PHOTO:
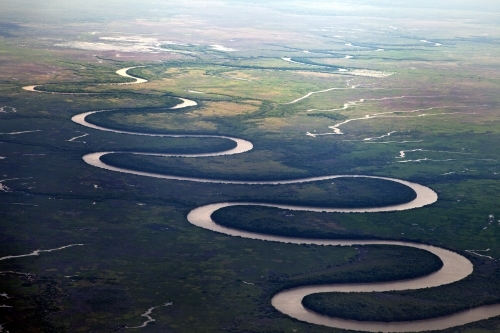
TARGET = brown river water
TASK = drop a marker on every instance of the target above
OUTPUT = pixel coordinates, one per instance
(455, 266)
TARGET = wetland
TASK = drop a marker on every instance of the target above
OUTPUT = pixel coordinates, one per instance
(288, 196)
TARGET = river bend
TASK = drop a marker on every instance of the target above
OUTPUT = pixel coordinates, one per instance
(455, 266)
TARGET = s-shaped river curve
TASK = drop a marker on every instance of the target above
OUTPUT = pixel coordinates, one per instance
(455, 267)
(121, 72)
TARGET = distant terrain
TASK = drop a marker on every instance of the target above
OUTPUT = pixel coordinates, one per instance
(310, 122)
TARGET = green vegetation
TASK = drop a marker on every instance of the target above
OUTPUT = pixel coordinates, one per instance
(308, 61)
(329, 115)
(140, 251)
(478, 289)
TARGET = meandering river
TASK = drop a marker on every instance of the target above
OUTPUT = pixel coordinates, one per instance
(455, 266)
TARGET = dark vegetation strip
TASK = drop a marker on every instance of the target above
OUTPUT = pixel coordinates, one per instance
(329, 115)
(277, 222)
(160, 69)
(100, 79)
(476, 290)
(308, 61)
(33, 311)
(374, 263)
(314, 159)
(162, 166)
(204, 146)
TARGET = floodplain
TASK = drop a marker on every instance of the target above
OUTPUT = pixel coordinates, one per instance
(318, 90)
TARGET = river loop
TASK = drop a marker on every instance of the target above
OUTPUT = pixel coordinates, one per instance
(455, 266)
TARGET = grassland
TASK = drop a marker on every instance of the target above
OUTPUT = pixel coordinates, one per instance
(139, 251)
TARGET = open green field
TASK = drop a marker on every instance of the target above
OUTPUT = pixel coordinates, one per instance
(416, 98)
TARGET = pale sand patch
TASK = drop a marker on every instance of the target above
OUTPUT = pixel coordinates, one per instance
(316, 74)
(222, 48)
(30, 88)
(125, 44)
(370, 73)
